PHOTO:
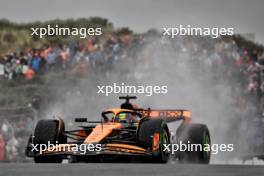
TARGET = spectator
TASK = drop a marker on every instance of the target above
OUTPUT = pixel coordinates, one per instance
(2, 68)
(35, 62)
(29, 74)
(2, 148)
(64, 55)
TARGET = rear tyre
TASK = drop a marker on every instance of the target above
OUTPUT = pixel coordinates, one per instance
(147, 129)
(48, 131)
(194, 134)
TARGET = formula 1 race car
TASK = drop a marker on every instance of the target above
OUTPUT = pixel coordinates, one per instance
(124, 134)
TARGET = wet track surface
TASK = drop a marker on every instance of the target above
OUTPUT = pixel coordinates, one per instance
(128, 169)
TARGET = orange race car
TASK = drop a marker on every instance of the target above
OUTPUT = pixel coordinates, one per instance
(124, 134)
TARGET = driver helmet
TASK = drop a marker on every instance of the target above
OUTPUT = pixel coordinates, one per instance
(125, 117)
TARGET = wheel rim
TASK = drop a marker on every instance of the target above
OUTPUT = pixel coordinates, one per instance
(163, 140)
(206, 143)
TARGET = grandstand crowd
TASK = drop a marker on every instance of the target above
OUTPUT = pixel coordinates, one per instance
(243, 66)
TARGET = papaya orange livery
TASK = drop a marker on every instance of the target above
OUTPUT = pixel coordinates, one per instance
(101, 131)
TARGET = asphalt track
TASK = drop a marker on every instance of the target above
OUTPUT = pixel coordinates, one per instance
(128, 170)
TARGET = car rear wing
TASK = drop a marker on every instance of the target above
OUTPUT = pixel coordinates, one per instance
(170, 115)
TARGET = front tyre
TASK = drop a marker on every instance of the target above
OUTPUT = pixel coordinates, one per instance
(48, 131)
(153, 134)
